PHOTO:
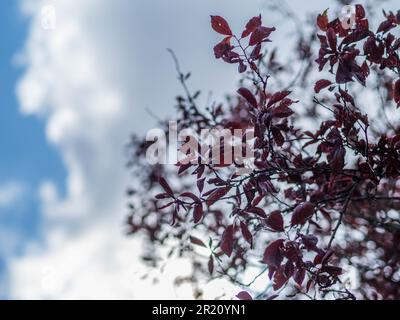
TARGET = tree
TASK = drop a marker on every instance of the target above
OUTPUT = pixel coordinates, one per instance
(322, 197)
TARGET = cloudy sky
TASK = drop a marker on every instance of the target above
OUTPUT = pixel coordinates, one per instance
(73, 86)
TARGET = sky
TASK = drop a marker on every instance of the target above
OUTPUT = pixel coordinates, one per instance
(72, 89)
(26, 157)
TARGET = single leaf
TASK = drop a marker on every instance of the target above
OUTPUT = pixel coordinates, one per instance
(260, 34)
(216, 195)
(347, 97)
(162, 196)
(275, 221)
(248, 96)
(220, 25)
(278, 136)
(164, 184)
(252, 25)
(244, 296)
(322, 21)
(210, 265)
(332, 40)
(198, 213)
(360, 11)
(227, 241)
(278, 97)
(222, 48)
(166, 206)
(337, 160)
(280, 279)
(302, 213)
(282, 111)
(191, 196)
(321, 84)
(273, 255)
(385, 26)
(258, 211)
(356, 36)
(396, 92)
(200, 184)
(256, 53)
(242, 67)
(197, 242)
(183, 168)
(246, 233)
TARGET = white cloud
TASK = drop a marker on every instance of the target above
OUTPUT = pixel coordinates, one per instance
(10, 193)
(91, 79)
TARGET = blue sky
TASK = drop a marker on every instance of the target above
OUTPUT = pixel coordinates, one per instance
(26, 158)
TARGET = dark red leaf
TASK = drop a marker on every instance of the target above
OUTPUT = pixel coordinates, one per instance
(210, 265)
(258, 211)
(246, 233)
(242, 67)
(310, 242)
(289, 269)
(164, 184)
(183, 168)
(222, 48)
(244, 296)
(197, 242)
(318, 259)
(198, 213)
(321, 84)
(191, 196)
(337, 160)
(360, 11)
(365, 69)
(332, 39)
(252, 25)
(275, 221)
(260, 34)
(163, 196)
(343, 74)
(216, 195)
(396, 92)
(246, 93)
(256, 53)
(327, 256)
(280, 279)
(385, 26)
(272, 255)
(356, 36)
(278, 97)
(166, 206)
(278, 136)
(282, 111)
(347, 97)
(227, 241)
(220, 25)
(200, 184)
(322, 21)
(363, 24)
(302, 213)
